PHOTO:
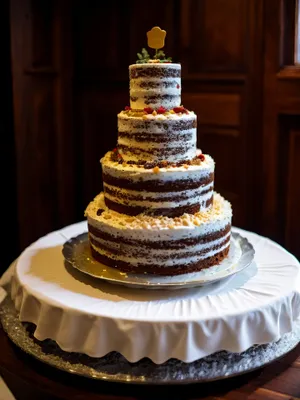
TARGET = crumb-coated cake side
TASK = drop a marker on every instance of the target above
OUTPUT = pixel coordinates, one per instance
(154, 85)
(167, 136)
(159, 245)
(158, 188)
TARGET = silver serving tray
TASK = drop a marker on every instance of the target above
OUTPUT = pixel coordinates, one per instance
(77, 253)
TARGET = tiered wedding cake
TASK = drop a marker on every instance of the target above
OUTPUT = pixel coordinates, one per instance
(158, 213)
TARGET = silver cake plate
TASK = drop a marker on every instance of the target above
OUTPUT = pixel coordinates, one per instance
(77, 253)
(115, 368)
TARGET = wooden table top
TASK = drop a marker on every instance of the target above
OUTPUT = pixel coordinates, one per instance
(28, 378)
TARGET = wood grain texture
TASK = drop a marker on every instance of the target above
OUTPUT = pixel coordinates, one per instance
(281, 122)
(42, 116)
(70, 79)
(28, 378)
(214, 34)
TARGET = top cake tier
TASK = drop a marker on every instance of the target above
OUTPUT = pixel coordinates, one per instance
(155, 85)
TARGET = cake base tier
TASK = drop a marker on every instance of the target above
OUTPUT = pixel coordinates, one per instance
(159, 245)
(159, 270)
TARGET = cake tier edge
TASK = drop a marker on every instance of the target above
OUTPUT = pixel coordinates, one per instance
(133, 189)
(166, 136)
(159, 245)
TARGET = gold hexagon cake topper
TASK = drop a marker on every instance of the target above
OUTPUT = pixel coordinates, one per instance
(156, 38)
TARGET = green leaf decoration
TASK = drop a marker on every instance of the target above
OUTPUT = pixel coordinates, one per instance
(145, 53)
(143, 56)
(160, 55)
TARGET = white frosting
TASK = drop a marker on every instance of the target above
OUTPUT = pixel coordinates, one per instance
(144, 227)
(143, 101)
(156, 65)
(156, 145)
(139, 154)
(128, 122)
(135, 173)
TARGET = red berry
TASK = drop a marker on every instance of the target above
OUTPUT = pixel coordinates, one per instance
(148, 110)
(115, 149)
(161, 110)
(178, 86)
(180, 110)
(201, 157)
(127, 108)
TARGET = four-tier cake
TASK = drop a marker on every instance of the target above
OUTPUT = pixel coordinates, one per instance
(158, 213)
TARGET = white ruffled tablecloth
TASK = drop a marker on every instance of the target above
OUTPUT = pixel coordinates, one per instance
(86, 315)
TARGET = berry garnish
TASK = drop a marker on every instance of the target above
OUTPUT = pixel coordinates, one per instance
(201, 157)
(127, 108)
(148, 110)
(161, 110)
(180, 110)
(115, 150)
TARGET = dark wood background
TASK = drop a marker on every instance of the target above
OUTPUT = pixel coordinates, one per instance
(66, 78)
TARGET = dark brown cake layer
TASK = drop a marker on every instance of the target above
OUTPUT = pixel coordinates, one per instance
(161, 244)
(156, 138)
(157, 185)
(155, 72)
(161, 152)
(158, 199)
(158, 270)
(169, 212)
(156, 99)
(141, 253)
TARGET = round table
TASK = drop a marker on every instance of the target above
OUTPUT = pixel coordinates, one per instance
(28, 378)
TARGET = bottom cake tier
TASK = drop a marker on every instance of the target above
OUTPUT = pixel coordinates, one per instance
(159, 245)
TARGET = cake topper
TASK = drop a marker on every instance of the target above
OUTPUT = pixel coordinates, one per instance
(156, 40)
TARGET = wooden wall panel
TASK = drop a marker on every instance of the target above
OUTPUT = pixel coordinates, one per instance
(292, 226)
(215, 109)
(215, 35)
(42, 121)
(281, 121)
(97, 126)
(70, 79)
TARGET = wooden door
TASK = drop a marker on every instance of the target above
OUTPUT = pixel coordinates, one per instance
(281, 127)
